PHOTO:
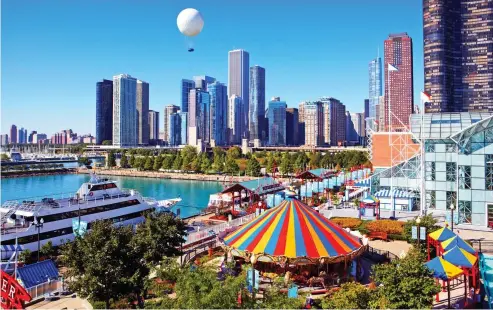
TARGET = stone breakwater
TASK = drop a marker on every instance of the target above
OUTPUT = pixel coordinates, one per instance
(22, 174)
(169, 175)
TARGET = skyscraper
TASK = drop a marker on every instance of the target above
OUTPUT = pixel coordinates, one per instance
(31, 134)
(314, 123)
(398, 55)
(13, 134)
(292, 126)
(238, 66)
(168, 110)
(4, 139)
(124, 110)
(202, 81)
(334, 122)
(367, 108)
(458, 55)
(218, 112)
(198, 116)
(153, 125)
(375, 90)
(277, 121)
(22, 136)
(186, 86)
(234, 119)
(257, 103)
(301, 123)
(143, 112)
(174, 129)
(183, 127)
(104, 111)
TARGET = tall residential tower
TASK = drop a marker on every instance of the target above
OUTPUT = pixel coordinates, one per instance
(104, 111)
(238, 72)
(124, 111)
(257, 103)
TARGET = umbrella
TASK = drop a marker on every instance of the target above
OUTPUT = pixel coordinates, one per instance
(444, 270)
(457, 241)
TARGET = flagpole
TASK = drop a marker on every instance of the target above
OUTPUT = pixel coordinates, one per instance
(423, 178)
(392, 206)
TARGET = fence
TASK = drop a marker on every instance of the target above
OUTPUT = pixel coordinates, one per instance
(380, 254)
(216, 229)
(41, 290)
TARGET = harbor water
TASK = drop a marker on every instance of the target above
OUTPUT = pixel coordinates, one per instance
(194, 194)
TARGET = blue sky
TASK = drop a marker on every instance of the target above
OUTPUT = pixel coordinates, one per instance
(54, 51)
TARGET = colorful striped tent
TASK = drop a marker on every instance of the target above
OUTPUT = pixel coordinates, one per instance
(459, 242)
(442, 269)
(442, 234)
(296, 233)
(460, 257)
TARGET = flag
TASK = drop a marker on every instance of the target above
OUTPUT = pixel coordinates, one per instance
(425, 97)
(391, 68)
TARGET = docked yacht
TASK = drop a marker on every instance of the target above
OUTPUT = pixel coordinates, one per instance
(56, 219)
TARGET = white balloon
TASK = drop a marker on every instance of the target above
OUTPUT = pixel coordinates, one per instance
(190, 22)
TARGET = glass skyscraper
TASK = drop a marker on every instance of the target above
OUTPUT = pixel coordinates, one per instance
(292, 126)
(277, 121)
(153, 125)
(257, 103)
(234, 119)
(142, 112)
(104, 111)
(375, 91)
(174, 129)
(458, 55)
(218, 112)
(238, 72)
(186, 86)
(124, 110)
(199, 116)
(202, 81)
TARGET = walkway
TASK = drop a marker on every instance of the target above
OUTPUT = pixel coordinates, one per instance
(65, 302)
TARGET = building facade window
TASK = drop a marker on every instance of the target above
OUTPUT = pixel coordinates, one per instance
(430, 171)
(489, 172)
(465, 177)
(465, 213)
(451, 199)
(451, 148)
(430, 199)
(451, 172)
(429, 148)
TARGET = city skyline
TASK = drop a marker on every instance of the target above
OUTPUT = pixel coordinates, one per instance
(302, 51)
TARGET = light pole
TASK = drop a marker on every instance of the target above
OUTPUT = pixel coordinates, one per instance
(452, 207)
(38, 225)
(418, 221)
(253, 260)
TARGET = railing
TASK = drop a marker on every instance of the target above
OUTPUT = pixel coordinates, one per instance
(216, 229)
(43, 289)
(385, 255)
(192, 253)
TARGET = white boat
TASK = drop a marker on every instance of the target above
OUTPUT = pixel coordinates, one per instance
(97, 199)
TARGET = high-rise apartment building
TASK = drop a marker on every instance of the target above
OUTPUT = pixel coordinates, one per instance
(334, 123)
(4, 139)
(186, 86)
(218, 112)
(238, 72)
(143, 112)
(458, 55)
(381, 113)
(292, 126)
(314, 123)
(13, 134)
(174, 130)
(234, 119)
(257, 103)
(124, 111)
(367, 108)
(354, 128)
(38, 137)
(399, 98)
(198, 116)
(104, 111)
(277, 121)
(375, 90)
(202, 81)
(183, 127)
(153, 125)
(168, 110)
(301, 123)
(22, 136)
(31, 134)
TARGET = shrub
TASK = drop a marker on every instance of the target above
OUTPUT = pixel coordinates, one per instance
(98, 304)
(426, 221)
(388, 226)
(346, 222)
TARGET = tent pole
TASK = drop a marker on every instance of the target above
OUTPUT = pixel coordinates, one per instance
(448, 290)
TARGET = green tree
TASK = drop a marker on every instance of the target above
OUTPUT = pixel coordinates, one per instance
(124, 160)
(406, 283)
(26, 257)
(48, 250)
(84, 161)
(132, 160)
(253, 167)
(301, 161)
(158, 162)
(218, 159)
(177, 162)
(98, 263)
(107, 142)
(111, 160)
(286, 164)
(167, 162)
(275, 299)
(269, 167)
(231, 166)
(149, 163)
(351, 295)
(427, 221)
(4, 156)
(234, 152)
(205, 165)
(139, 163)
(314, 160)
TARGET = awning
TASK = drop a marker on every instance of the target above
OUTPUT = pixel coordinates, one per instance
(12, 248)
(259, 186)
(385, 193)
(37, 273)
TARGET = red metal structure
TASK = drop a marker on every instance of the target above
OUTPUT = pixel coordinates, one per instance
(14, 296)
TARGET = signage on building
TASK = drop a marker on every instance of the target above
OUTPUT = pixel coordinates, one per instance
(13, 294)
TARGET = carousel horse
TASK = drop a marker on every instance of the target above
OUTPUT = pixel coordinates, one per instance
(317, 280)
(287, 278)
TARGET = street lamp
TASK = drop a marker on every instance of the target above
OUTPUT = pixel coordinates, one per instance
(418, 221)
(259, 207)
(253, 260)
(38, 225)
(452, 207)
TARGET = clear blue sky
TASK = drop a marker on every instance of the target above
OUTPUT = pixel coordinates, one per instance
(54, 51)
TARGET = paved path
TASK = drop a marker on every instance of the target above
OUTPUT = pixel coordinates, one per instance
(394, 247)
(65, 302)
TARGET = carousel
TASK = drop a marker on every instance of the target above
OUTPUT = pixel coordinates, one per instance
(294, 240)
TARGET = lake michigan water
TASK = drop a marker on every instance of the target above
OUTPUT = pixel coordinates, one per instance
(194, 194)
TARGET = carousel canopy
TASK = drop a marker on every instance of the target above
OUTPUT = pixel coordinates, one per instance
(457, 241)
(442, 269)
(293, 230)
(442, 234)
(460, 257)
